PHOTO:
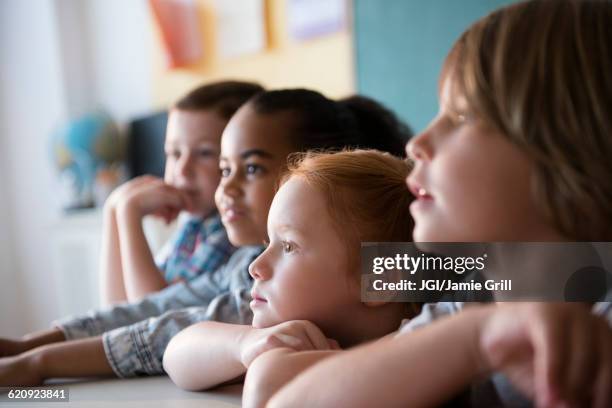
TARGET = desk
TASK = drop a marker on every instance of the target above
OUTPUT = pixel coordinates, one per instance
(153, 392)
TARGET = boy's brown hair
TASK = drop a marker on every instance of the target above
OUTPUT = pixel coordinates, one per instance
(539, 72)
(223, 97)
(366, 191)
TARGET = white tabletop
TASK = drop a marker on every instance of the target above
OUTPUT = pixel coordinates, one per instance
(154, 392)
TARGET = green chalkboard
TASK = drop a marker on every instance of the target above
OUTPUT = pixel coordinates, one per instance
(400, 46)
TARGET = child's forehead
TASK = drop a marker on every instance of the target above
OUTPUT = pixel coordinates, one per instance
(281, 121)
(257, 132)
(451, 94)
(296, 197)
(193, 127)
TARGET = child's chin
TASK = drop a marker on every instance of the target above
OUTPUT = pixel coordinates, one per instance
(258, 323)
(200, 211)
(261, 322)
(195, 214)
(422, 234)
(238, 239)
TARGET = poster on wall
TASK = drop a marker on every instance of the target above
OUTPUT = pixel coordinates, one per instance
(308, 19)
(180, 30)
(240, 27)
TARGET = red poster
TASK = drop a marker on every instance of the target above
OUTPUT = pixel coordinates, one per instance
(180, 30)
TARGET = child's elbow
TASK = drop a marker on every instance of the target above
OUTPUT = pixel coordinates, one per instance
(261, 382)
(175, 370)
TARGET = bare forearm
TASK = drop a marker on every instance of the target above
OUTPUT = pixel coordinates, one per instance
(111, 271)
(42, 338)
(205, 355)
(9, 347)
(423, 368)
(76, 358)
(140, 273)
(272, 370)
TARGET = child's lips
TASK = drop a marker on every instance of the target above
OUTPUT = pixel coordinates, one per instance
(418, 191)
(232, 214)
(258, 300)
(424, 200)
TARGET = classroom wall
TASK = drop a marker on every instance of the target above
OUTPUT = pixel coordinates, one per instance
(324, 64)
(400, 46)
(31, 100)
(122, 44)
(59, 58)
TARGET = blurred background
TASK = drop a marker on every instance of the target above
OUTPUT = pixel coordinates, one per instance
(84, 85)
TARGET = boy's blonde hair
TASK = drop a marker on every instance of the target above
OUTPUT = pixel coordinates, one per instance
(366, 191)
(540, 72)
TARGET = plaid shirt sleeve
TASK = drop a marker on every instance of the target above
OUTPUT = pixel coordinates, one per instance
(212, 250)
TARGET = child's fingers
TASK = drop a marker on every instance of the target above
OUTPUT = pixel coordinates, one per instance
(269, 343)
(549, 345)
(188, 203)
(168, 214)
(145, 179)
(142, 182)
(333, 344)
(316, 336)
(171, 214)
(170, 199)
(581, 360)
(602, 385)
(505, 338)
(181, 199)
(289, 341)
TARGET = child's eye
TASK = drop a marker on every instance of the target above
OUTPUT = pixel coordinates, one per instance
(225, 171)
(206, 153)
(173, 154)
(461, 118)
(254, 169)
(288, 246)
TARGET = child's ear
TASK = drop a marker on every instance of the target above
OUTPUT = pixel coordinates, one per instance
(377, 298)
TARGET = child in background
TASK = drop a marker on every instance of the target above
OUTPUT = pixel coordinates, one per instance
(129, 339)
(518, 152)
(307, 294)
(193, 137)
(384, 131)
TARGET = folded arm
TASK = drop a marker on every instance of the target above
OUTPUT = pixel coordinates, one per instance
(275, 368)
(205, 355)
(208, 354)
(424, 368)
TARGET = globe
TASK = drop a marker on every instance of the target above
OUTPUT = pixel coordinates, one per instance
(88, 156)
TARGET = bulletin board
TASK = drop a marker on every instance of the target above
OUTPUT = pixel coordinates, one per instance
(324, 63)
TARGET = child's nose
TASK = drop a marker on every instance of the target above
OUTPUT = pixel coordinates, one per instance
(259, 269)
(184, 166)
(230, 186)
(419, 147)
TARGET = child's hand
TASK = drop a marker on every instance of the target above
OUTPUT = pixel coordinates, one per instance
(152, 196)
(120, 193)
(19, 370)
(299, 335)
(11, 347)
(557, 354)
